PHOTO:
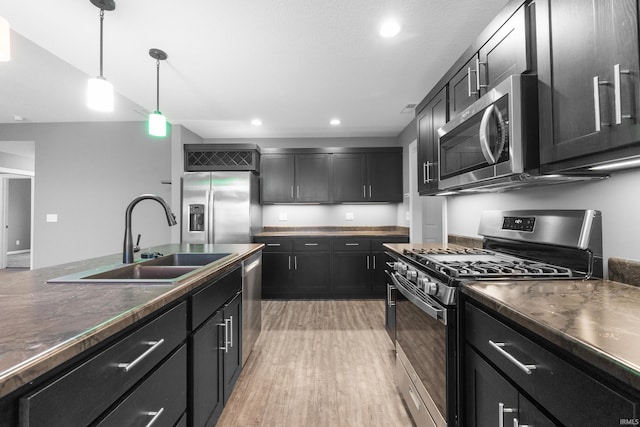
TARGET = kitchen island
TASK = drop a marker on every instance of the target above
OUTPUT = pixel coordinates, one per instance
(47, 327)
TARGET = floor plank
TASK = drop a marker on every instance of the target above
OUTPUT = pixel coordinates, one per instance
(319, 363)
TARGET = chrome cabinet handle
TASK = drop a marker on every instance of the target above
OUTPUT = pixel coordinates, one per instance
(374, 262)
(425, 172)
(523, 367)
(225, 348)
(292, 191)
(364, 191)
(289, 262)
(231, 331)
(129, 366)
(478, 85)
(501, 411)
(617, 95)
(367, 262)
(297, 191)
(517, 424)
(352, 244)
(311, 244)
(369, 191)
(155, 415)
(273, 244)
(295, 262)
(470, 93)
(596, 102)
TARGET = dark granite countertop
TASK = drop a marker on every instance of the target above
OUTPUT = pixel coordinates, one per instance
(595, 320)
(44, 325)
(384, 231)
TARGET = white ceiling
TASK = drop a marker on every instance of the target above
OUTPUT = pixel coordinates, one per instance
(295, 64)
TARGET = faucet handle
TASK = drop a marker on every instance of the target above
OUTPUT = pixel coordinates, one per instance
(137, 247)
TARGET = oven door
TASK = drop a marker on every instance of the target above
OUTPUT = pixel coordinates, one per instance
(425, 337)
(484, 141)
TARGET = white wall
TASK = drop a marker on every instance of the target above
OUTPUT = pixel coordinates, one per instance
(87, 173)
(617, 198)
(329, 215)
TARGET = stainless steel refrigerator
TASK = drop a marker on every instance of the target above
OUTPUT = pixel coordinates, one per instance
(220, 207)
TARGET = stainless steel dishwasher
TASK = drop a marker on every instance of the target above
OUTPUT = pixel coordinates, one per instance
(251, 303)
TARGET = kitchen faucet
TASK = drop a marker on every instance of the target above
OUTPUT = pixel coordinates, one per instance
(127, 253)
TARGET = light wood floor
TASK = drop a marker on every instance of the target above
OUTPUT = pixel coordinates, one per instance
(319, 363)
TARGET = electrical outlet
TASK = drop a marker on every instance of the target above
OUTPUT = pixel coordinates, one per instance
(52, 217)
(283, 216)
(17, 242)
(349, 216)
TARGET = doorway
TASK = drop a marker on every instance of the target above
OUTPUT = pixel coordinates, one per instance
(17, 202)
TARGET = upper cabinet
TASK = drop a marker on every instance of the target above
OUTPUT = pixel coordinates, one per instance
(295, 178)
(340, 175)
(588, 81)
(506, 52)
(430, 119)
(374, 176)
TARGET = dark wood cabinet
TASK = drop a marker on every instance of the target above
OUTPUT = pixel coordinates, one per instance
(513, 363)
(463, 87)
(507, 52)
(295, 178)
(295, 267)
(351, 275)
(589, 91)
(430, 119)
(215, 347)
(491, 400)
(374, 176)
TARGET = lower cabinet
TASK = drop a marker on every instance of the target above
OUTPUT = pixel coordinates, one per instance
(511, 374)
(325, 267)
(177, 368)
(216, 347)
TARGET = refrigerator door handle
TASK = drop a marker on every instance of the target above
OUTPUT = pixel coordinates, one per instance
(210, 229)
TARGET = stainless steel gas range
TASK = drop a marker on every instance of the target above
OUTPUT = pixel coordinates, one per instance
(517, 245)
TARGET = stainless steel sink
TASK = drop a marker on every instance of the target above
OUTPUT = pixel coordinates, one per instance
(164, 270)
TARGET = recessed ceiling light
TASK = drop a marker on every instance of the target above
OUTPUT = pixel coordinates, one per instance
(389, 28)
(256, 122)
(334, 122)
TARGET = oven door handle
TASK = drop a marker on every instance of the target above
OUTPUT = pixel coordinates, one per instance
(436, 312)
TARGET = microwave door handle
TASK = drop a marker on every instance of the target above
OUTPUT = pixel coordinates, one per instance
(492, 156)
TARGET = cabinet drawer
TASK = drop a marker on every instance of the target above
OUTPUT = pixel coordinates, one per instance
(311, 244)
(161, 399)
(276, 245)
(102, 379)
(355, 244)
(571, 395)
(209, 300)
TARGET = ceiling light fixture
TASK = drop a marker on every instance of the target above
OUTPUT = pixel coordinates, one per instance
(256, 122)
(157, 122)
(5, 40)
(389, 28)
(99, 90)
(334, 122)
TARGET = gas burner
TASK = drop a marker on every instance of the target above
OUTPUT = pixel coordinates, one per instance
(502, 269)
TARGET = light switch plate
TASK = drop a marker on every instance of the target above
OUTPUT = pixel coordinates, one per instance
(282, 216)
(349, 216)
(52, 217)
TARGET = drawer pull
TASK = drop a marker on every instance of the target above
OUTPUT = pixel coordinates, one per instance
(155, 415)
(352, 244)
(226, 336)
(311, 244)
(525, 368)
(154, 345)
(273, 244)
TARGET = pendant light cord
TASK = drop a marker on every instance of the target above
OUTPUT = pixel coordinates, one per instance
(101, 21)
(157, 85)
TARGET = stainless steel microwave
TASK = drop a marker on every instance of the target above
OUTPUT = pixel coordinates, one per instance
(493, 140)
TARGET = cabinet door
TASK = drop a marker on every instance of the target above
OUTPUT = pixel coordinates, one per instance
(349, 177)
(278, 178)
(312, 178)
(488, 396)
(232, 364)
(434, 116)
(351, 274)
(311, 274)
(579, 45)
(379, 278)
(505, 53)
(276, 273)
(463, 87)
(384, 176)
(207, 399)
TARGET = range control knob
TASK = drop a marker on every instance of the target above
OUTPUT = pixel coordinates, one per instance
(401, 268)
(412, 275)
(430, 288)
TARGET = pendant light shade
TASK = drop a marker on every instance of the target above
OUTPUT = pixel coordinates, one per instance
(157, 122)
(99, 90)
(5, 40)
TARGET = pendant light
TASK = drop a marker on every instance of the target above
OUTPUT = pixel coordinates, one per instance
(157, 122)
(5, 40)
(99, 90)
